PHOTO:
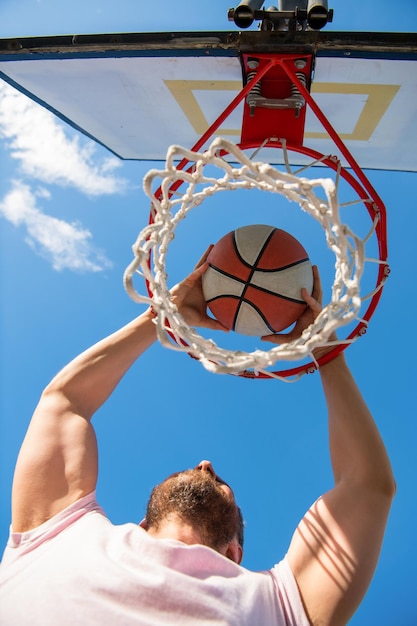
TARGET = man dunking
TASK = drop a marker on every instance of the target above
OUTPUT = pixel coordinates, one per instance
(65, 563)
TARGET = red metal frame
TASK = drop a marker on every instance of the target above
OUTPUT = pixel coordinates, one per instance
(277, 84)
(267, 127)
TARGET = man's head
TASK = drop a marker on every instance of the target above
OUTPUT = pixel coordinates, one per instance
(203, 502)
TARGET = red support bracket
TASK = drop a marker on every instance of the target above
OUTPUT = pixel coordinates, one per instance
(274, 106)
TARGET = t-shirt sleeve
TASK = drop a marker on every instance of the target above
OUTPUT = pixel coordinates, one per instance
(289, 595)
(21, 543)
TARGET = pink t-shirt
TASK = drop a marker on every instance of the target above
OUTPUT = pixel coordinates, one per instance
(78, 568)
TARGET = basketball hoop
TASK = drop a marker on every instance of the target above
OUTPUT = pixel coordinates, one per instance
(263, 111)
(317, 197)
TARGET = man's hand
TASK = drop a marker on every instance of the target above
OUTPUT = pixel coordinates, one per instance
(314, 307)
(188, 298)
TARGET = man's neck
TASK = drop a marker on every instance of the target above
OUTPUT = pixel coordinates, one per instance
(174, 528)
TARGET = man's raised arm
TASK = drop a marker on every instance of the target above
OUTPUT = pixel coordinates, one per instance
(336, 547)
(57, 463)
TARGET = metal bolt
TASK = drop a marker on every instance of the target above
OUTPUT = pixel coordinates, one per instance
(300, 64)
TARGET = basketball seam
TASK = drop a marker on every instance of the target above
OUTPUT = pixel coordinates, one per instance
(265, 271)
(239, 256)
(278, 295)
(253, 269)
(224, 273)
(271, 293)
(283, 267)
(251, 304)
(259, 312)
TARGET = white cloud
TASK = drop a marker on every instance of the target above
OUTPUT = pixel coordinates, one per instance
(46, 152)
(66, 245)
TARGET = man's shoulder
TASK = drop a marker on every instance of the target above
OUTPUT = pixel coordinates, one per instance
(22, 543)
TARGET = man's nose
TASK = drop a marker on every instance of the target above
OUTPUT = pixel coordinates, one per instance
(206, 466)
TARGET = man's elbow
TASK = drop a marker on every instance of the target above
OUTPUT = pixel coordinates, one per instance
(377, 482)
(390, 487)
(384, 484)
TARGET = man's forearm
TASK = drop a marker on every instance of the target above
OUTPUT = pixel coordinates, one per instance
(87, 381)
(357, 450)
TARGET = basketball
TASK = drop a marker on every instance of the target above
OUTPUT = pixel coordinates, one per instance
(254, 280)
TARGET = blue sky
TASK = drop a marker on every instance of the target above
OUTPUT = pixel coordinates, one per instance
(70, 212)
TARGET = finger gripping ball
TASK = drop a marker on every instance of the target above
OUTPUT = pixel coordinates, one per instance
(254, 280)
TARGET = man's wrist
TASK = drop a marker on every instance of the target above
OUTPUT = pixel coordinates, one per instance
(150, 313)
(321, 352)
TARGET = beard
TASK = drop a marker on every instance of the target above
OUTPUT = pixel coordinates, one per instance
(196, 499)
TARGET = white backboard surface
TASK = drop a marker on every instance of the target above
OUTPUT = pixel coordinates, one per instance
(138, 105)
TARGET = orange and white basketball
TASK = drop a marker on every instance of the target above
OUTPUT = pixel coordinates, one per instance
(254, 280)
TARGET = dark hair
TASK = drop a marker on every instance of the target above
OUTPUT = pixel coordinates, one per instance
(199, 501)
(241, 527)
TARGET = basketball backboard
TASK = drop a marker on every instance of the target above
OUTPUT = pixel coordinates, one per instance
(137, 94)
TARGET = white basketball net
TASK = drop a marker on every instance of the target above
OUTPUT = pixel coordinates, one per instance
(170, 208)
